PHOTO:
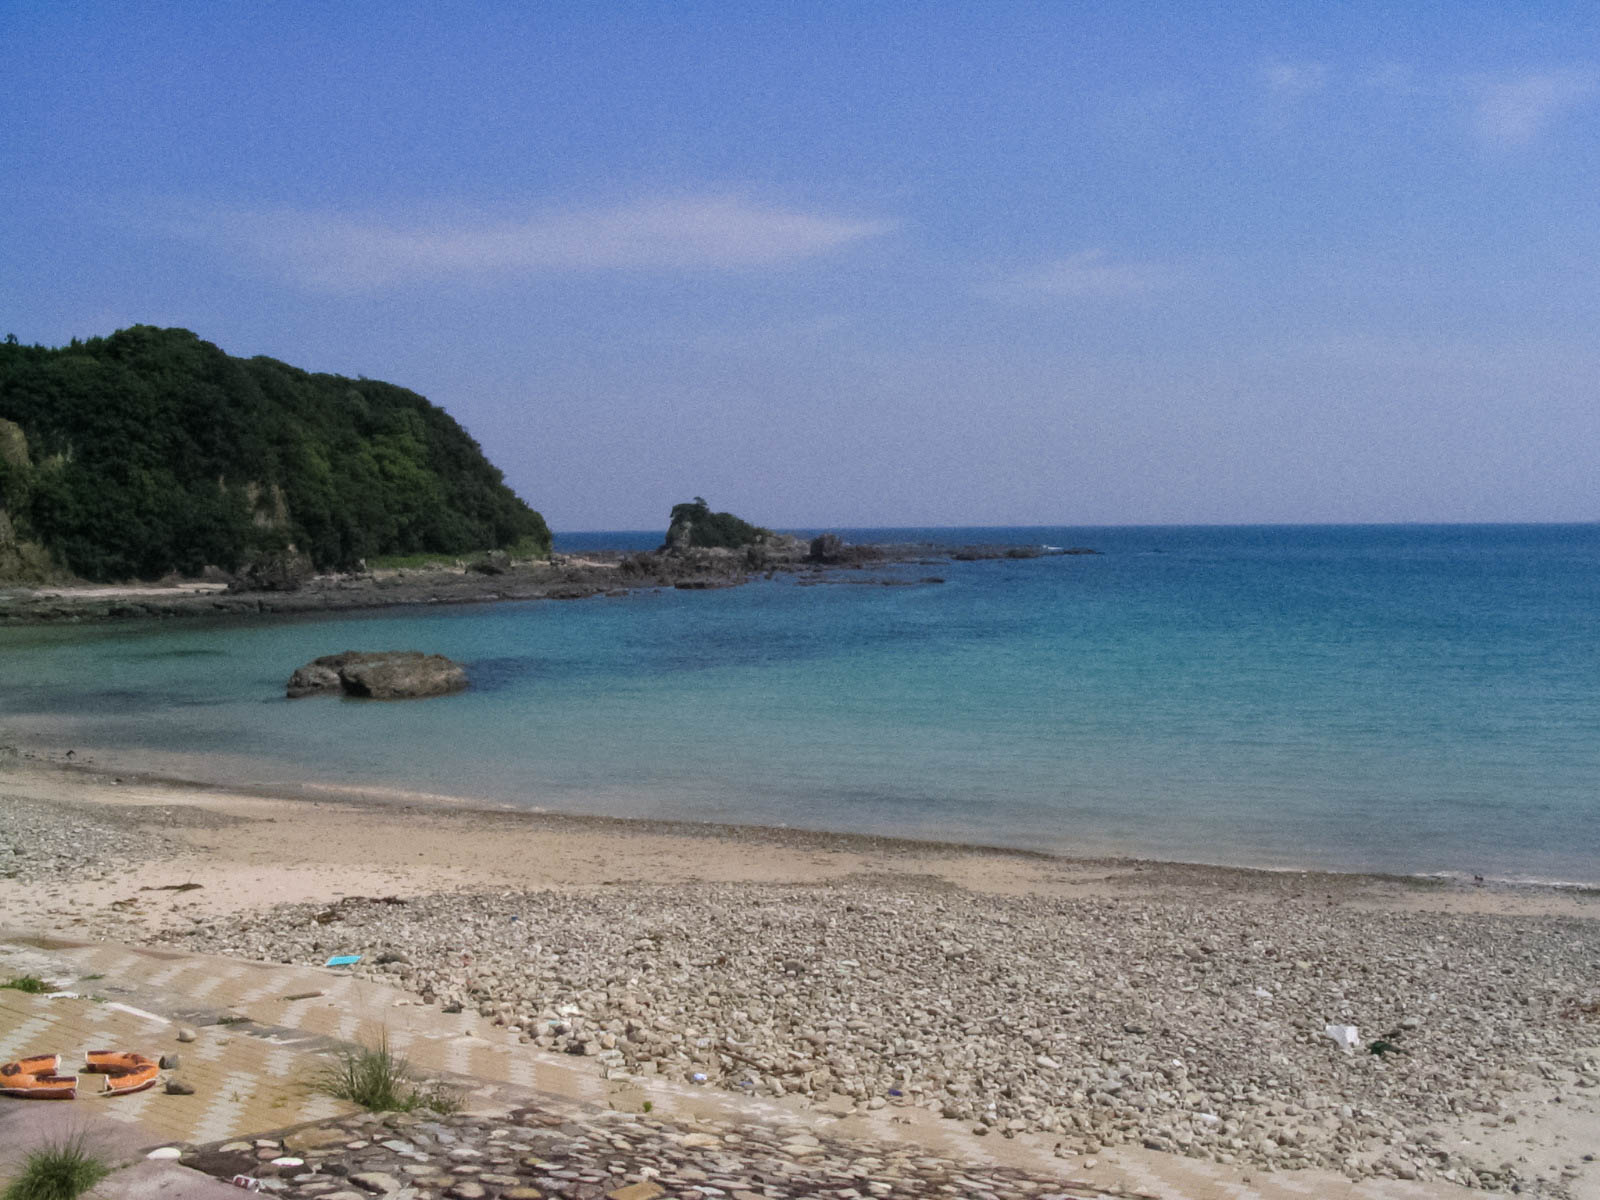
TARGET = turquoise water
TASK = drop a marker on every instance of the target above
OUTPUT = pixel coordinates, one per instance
(1367, 698)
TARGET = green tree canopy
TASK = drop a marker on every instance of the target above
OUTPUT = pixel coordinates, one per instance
(694, 524)
(151, 451)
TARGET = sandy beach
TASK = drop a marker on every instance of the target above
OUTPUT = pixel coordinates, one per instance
(1101, 1002)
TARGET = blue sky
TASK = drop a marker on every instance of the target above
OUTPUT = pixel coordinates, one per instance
(850, 264)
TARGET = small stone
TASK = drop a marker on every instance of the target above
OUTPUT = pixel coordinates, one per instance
(467, 1189)
(169, 1062)
(644, 1190)
(377, 1182)
(313, 1139)
(177, 1087)
(185, 1034)
(522, 1193)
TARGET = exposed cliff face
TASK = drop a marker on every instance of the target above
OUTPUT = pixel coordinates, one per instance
(13, 444)
(21, 560)
(153, 451)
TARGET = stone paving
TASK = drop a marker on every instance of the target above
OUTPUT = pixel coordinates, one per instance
(540, 1154)
(263, 1032)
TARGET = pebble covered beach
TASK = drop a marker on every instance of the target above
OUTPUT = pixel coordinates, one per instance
(1195, 1025)
(1416, 1030)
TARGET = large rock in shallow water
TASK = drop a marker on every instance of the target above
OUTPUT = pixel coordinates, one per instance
(379, 675)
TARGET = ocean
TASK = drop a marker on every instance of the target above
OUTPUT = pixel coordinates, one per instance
(1409, 699)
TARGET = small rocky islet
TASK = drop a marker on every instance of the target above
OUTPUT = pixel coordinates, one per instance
(1192, 1028)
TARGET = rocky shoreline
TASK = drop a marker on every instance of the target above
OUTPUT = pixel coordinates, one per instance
(486, 580)
(1196, 1029)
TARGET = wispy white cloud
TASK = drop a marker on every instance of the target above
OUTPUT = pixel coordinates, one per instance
(1294, 81)
(1517, 111)
(1087, 275)
(345, 253)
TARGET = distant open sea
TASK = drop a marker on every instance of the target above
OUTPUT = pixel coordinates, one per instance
(1374, 698)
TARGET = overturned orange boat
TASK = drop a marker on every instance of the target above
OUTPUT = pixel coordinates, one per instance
(36, 1079)
(124, 1070)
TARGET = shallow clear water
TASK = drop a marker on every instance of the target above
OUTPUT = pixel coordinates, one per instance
(1373, 698)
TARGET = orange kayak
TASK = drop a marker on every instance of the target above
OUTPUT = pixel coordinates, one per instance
(36, 1079)
(124, 1070)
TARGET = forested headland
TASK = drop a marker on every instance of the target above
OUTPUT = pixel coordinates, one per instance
(152, 451)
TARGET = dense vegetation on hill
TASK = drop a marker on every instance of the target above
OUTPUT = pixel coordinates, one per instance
(151, 451)
(694, 524)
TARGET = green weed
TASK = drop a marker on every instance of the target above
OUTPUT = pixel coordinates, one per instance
(31, 984)
(57, 1171)
(381, 1081)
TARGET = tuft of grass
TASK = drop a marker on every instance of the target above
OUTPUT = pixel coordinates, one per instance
(528, 547)
(57, 1171)
(30, 984)
(380, 1080)
(389, 562)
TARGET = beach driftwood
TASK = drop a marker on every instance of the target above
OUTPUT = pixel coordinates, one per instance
(378, 675)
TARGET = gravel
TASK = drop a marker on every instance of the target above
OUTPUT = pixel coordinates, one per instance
(1195, 1026)
(43, 842)
(48, 842)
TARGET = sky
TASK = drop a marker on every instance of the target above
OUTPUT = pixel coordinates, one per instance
(861, 264)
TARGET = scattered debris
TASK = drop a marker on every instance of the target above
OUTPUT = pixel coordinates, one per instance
(125, 1071)
(1347, 1036)
(36, 1078)
(1575, 1009)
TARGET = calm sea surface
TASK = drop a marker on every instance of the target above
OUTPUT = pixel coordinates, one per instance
(1418, 698)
